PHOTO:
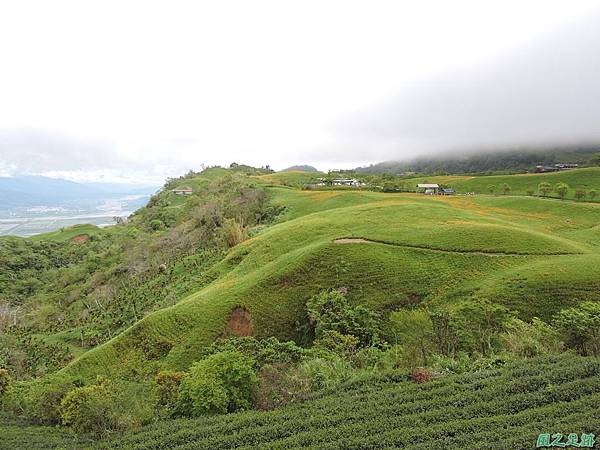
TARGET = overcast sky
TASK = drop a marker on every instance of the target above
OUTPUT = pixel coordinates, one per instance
(144, 90)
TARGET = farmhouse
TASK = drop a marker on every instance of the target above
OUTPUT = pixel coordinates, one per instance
(347, 182)
(428, 188)
(183, 191)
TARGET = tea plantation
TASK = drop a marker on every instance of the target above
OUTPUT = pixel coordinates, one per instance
(500, 408)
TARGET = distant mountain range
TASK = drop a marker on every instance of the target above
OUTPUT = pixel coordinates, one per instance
(300, 168)
(24, 191)
(499, 161)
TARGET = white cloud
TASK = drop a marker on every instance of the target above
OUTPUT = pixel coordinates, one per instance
(161, 87)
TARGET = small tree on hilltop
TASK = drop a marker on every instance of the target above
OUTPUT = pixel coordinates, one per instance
(561, 189)
(580, 194)
(505, 188)
(593, 193)
(544, 188)
(492, 188)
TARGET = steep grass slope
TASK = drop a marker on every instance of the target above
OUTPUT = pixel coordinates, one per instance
(414, 248)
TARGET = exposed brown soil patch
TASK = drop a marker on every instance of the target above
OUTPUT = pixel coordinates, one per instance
(287, 283)
(240, 323)
(81, 238)
(352, 241)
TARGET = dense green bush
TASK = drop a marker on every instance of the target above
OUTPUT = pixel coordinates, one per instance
(473, 326)
(331, 311)
(324, 373)
(218, 384)
(167, 386)
(39, 400)
(5, 380)
(264, 351)
(580, 327)
(90, 409)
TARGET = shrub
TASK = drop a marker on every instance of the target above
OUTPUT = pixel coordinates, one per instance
(218, 384)
(472, 326)
(580, 194)
(413, 329)
(561, 189)
(40, 400)
(157, 224)
(234, 232)
(580, 327)
(5, 381)
(264, 351)
(530, 192)
(331, 311)
(324, 373)
(279, 385)
(90, 409)
(344, 345)
(544, 188)
(167, 385)
(530, 339)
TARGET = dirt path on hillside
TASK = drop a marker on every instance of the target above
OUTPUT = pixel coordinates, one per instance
(440, 250)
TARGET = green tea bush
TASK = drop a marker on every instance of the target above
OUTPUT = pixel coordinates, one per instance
(218, 384)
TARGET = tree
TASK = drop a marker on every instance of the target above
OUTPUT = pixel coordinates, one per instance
(491, 188)
(561, 189)
(218, 384)
(505, 188)
(580, 194)
(331, 311)
(530, 192)
(544, 188)
(593, 193)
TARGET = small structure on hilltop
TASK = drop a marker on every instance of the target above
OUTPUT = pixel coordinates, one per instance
(566, 166)
(183, 191)
(447, 191)
(545, 169)
(428, 188)
(347, 182)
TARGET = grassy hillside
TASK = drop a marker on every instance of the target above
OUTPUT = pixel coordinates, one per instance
(588, 178)
(77, 232)
(516, 251)
(460, 276)
(506, 407)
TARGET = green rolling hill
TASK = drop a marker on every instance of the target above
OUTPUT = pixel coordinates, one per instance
(389, 253)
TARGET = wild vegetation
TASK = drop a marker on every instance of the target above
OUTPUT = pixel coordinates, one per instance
(251, 295)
